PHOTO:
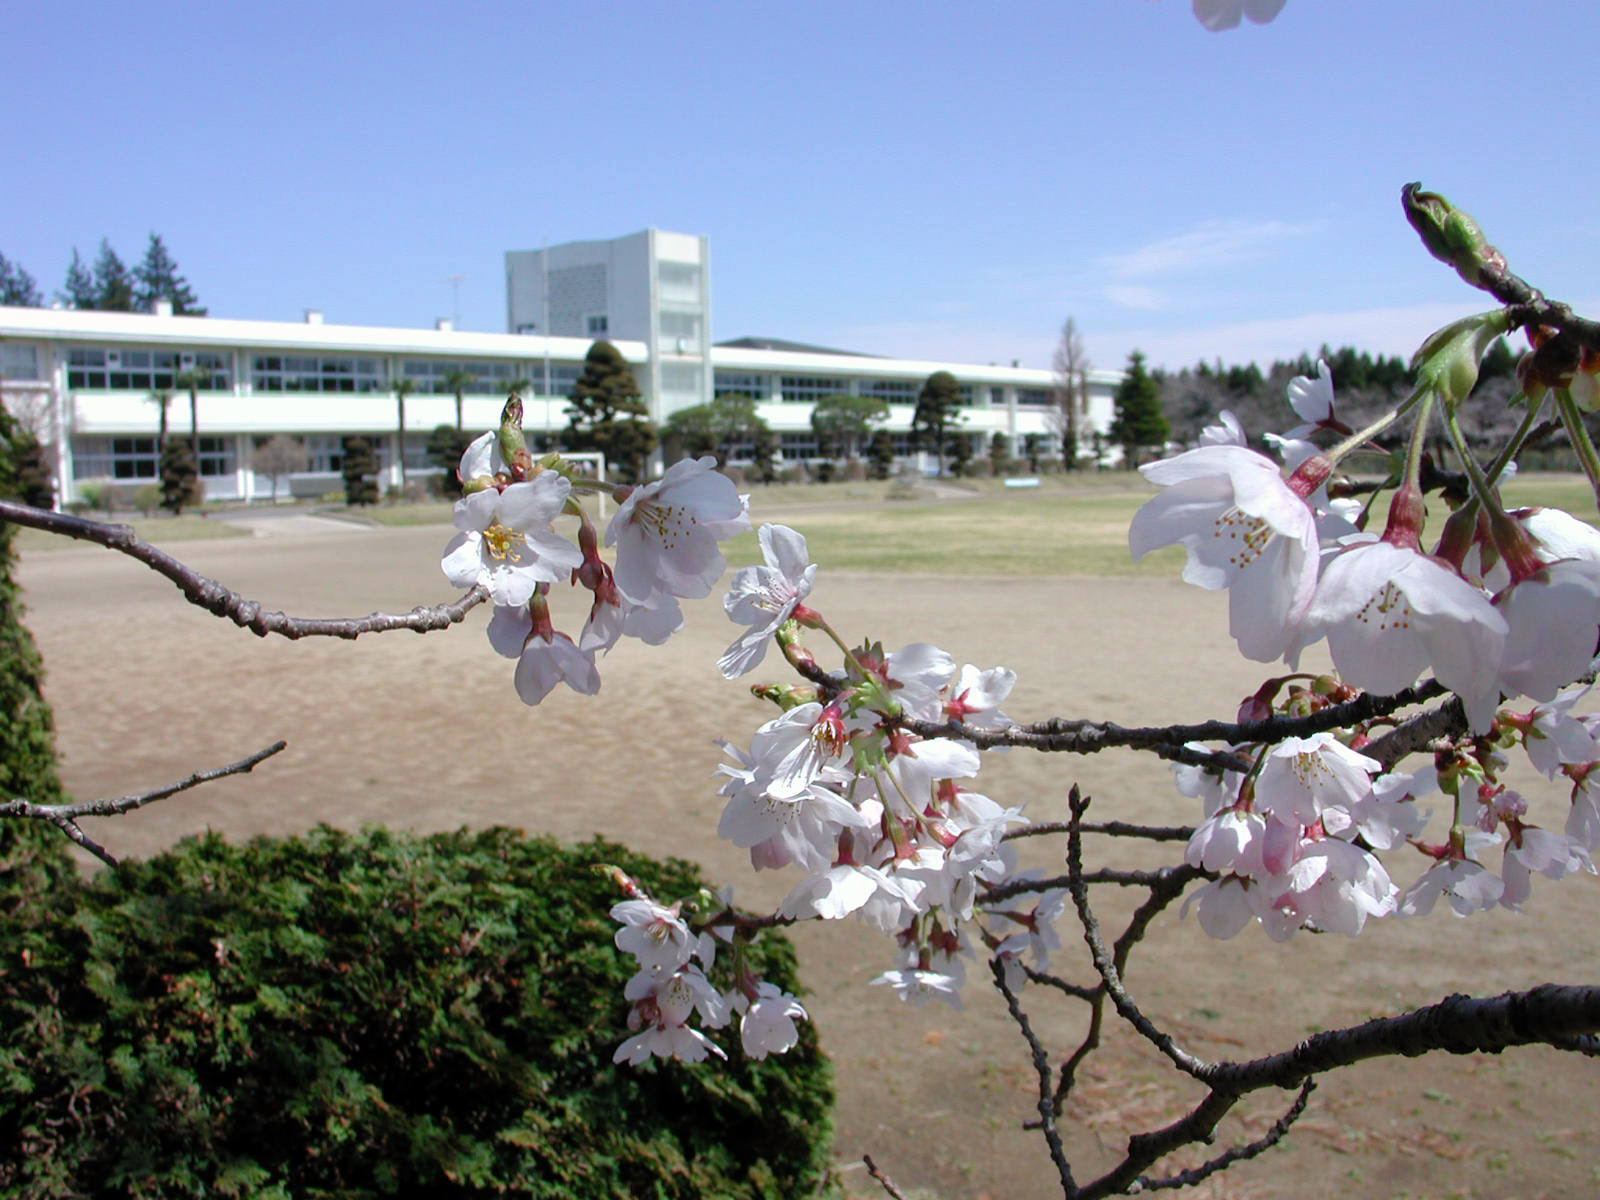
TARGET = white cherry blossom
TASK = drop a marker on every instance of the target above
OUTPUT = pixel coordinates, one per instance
(506, 543)
(767, 1025)
(765, 597)
(666, 532)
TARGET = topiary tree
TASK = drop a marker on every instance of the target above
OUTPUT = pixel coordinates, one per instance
(999, 454)
(843, 422)
(938, 410)
(605, 413)
(880, 452)
(446, 445)
(377, 1014)
(360, 465)
(1139, 421)
(180, 477)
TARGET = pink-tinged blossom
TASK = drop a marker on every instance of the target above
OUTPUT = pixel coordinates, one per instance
(661, 1007)
(1390, 613)
(1227, 432)
(1337, 886)
(1311, 397)
(666, 532)
(765, 597)
(1557, 534)
(506, 544)
(802, 829)
(976, 696)
(1553, 616)
(1228, 841)
(789, 753)
(655, 935)
(1583, 819)
(1531, 849)
(1214, 788)
(832, 894)
(1470, 887)
(919, 673)
(1223, 907)
(1303, 776)
(483, 460)
(767, 1025)
(547, 662)
(918, 986)
(1244, 529)
(1555, 738)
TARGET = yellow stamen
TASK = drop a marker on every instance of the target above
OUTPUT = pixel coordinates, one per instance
(500, 539)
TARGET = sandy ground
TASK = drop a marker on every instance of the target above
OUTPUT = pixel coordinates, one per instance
(426, 732)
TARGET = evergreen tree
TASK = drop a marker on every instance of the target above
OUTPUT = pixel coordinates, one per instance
(446, 445)
(180, 477)
(880, 452)
(78, 291)
(960, 451)
(728, 423)
(35, 483)
(768, 453)
(1031, 445)
(34, 861)
(157, 278)
(843, 423)
(999, 454)
(17, 286)
(1139, 421)
(360, 466)
(113, 282)
(605, 413)
(938, 409)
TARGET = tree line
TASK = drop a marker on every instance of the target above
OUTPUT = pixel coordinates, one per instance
(109, 284)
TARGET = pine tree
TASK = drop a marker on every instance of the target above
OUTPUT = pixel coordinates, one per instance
(78, 291)
(113, 282)
(880, 452)
(360, 466)
(157, 278)
(938, 408)
(1139, 421)
(960, 449)
(446, 445)
(999, 454)
(17, 286)
(605, 413)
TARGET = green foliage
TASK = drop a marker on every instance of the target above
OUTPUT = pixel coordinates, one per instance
(938, 408)
(446, 445)
(113, 282)
(35, 483)
(959, 448)
(605, 413)
(377, 1014)
(1000, 454)
(458, 382)
(880, 452)
(157, 278)
(768, 453)
(360, 465)
(34, 862)
(1032, 448)
(843, 422)
(17, 287)
(727, 425)
(180, 476)
(1139, 421)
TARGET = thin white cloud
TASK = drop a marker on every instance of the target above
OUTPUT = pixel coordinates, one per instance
(1209, 245)
(1134, 295)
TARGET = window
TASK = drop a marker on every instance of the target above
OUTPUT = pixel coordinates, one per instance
(216, 457)
(562, 377)
(19, 362)
(595, 325)
(893, 391)
(325, 453)
(969, 395)
(488, 378)
(798, 445)
(102, 368)
(680, 378)
(681, 331)
(313, 373)
(807, 389)
(678, 281)
(1036, 397)
(740, 383)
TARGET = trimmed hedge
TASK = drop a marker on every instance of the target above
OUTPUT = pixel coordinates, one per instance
(382, 1014)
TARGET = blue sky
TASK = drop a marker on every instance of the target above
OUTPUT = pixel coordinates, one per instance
(933, 180)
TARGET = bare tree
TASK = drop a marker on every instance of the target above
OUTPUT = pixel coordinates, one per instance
(1071, 366)
(278, 456)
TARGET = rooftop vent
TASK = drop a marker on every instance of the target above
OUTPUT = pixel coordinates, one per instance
(313, 316)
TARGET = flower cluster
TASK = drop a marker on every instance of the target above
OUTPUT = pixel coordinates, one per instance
(665, 535)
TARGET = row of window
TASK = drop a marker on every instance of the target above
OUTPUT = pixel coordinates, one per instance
(136, 460)
(100, 369)
(808, 389)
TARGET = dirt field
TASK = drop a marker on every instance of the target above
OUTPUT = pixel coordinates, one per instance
(426, 732)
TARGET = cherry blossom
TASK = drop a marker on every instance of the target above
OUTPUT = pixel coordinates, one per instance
(1553, 616)
(1244, 529)
(919, 986)
(765, 597)
(767, 1022)
(666, 532)
(505, 543)
(1303, 776)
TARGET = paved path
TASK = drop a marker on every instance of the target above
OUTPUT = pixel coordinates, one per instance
(290, 523)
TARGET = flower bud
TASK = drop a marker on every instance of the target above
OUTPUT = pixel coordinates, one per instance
(1450, 234)
(1447, 362)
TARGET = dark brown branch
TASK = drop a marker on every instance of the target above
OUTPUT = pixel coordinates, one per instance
(884, 1181)
(1447, 720)
(1237, 1153)
(1041, 1067)
(66, 816)
(1152, 833)
(219, 601)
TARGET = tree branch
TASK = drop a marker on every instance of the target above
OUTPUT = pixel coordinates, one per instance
(1041, 1067)
(66, 816)
(219, 601)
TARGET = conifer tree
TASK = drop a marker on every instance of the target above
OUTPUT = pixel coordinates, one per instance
(17, 287)
(938, 409)
(180, 477)
(606, 413)
(78, 291)
(157, 278)
(446, 445)
(360, 466)
(880, 453)
(113, 282)
(1139, 421)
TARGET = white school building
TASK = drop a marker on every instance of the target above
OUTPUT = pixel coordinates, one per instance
(84, 380)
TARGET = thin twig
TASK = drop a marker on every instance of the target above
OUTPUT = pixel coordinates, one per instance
(1152, 833)
(1234, 1154)
(219, 601)
(1041, 1067)
(66, 816)
(884, 1181)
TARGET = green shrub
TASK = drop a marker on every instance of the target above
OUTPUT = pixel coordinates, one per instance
(376, 1014)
